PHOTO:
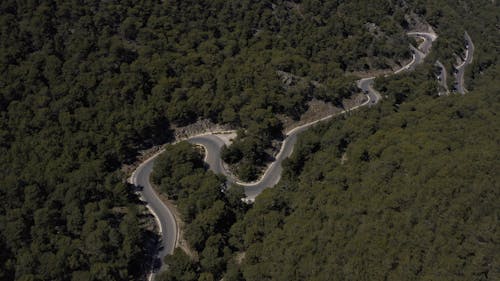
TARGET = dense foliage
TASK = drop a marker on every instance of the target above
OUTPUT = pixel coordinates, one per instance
(399, 193)
(206, 206)
(411, 195)
(452, 19)
(85, 84)
(408, 190)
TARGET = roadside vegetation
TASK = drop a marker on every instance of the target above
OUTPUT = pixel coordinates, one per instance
(404, 191)
(85, 85)
(405, 194)
(207, 207)
(384, 195)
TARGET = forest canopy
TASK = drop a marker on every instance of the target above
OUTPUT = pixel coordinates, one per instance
(384, 195)
(86, 85)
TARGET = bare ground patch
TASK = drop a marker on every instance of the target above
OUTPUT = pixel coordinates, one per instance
(318, 109)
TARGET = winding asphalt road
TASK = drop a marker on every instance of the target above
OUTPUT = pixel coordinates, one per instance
(418, 56)
(442, 79)
(213, 145)
(366, 85)
(418, 53)
(163, 216)
(460, 70)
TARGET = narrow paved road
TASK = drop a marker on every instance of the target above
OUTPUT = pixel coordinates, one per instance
(163, 216)
(442, 79)
(419, 53)
(213, 145)
(366, 85)
(460, 70)
(428, 38)
(418, 56)
(271, 176)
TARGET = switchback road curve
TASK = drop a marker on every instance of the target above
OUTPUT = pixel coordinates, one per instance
(164, 217)
(213, 146)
